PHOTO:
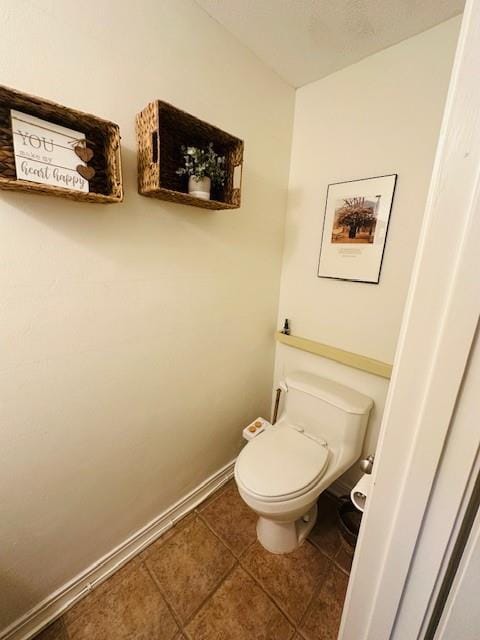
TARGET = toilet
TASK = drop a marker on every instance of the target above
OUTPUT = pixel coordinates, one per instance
(281, 472)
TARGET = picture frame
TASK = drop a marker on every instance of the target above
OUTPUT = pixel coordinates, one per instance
(355, 228)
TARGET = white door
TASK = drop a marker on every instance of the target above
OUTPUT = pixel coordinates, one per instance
(435, 342)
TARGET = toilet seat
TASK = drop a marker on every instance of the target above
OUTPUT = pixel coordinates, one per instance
(280, 464)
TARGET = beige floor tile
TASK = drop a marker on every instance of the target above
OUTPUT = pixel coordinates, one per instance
(290, 579)
(325, 535)
(323, 618)
(231, 519)
(55, 631)
(344, 557)
(189, 566)
(128, 605)
(239, 610)
(193, 569)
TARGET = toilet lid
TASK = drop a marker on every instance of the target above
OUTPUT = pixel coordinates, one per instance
(281, 461)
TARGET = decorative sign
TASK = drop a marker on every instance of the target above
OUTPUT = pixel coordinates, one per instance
(50, 154)
(355, 227)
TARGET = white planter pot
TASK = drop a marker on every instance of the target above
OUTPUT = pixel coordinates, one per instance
(199, 188)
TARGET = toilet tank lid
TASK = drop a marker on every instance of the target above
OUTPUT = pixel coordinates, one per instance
(329, 391)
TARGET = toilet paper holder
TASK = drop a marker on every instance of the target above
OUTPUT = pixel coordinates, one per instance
(281, 387)
(358, 495)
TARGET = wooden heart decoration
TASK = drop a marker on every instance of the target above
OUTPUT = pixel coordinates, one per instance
(86, 172)
(84, 153)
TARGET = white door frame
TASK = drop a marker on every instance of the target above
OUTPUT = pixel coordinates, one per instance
(438, 328)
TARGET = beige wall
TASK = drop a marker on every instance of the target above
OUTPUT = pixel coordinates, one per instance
(136, 339)
(376, 117)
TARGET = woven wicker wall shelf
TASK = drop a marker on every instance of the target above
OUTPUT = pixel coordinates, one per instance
(102, 137)
(161, 131)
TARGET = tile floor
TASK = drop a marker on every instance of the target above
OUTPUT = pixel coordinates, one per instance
(209, 579)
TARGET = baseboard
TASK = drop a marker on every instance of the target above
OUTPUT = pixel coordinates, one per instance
(65, 597)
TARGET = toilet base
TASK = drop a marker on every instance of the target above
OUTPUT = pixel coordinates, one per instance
(285, 537)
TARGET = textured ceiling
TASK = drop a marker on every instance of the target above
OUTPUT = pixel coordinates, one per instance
(304, 40)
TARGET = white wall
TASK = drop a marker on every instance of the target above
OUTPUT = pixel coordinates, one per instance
(136, 339)
(376, 117)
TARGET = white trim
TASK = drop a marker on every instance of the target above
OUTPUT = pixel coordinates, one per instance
(437, 332)
(58, 602)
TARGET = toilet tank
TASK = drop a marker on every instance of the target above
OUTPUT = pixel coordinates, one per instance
(327, 409)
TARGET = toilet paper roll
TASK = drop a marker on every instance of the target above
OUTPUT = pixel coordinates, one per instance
(360, 491)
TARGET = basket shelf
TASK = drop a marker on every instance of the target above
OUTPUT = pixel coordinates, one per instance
(102, 136)
(161, 131)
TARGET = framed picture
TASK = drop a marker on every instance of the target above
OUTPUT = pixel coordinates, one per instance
(355, 228)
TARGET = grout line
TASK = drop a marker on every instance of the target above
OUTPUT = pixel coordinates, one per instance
(315, 591)
(219, 537)
(300, 631)
(342, 569)
(177, 526)
(242, 566)
(324, 551)
(209, 526)
(197, 514)
(169, 607)
(270, 596)
(152, 575)
(247, 548)
(315, 594)
(176, 616)
(210, 595)
(203, 602)
(342, 546)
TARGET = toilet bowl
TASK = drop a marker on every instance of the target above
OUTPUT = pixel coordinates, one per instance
(281, 473)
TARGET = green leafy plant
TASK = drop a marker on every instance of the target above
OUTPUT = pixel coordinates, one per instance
(203, 163)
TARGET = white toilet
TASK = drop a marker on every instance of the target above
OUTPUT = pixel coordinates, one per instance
(282, 471)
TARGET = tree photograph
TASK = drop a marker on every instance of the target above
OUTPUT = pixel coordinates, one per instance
(355, 220)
